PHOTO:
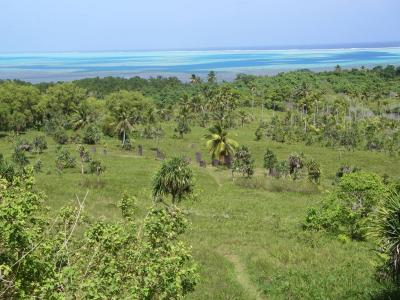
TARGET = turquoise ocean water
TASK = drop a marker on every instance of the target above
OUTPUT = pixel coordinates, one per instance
(37, 67)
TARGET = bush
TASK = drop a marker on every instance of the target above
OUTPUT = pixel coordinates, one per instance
(313, 171)
(39, 144)
(65, 160)
(295, 164)
(242, 162)
(91, 135)
(96, 167)
(386, 228)
(60, 136)
(19, 157)
(270, 161)
(348, 209)
(6, 169)
(37, 167)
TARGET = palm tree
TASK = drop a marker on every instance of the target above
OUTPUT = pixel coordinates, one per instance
(219, 144)
(83, 115)
(123, 125)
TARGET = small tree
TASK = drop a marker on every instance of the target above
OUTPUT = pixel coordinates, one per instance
(19, 157)
(313, 171)
(60, 136)
(127, 205)
(97, 167)
(295, 163)
(243, 162)
(39, 144)
(386, 229)
(270, 161)
(64, 159)
(174, 179)
(91, 135)
(84, 156)
(182, 126)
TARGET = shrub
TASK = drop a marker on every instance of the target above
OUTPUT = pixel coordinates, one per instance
(39, 144)
(295, 164)
(64, 257)
(19, 157)
(348, 209)
(386, 229)
(270, 161)
(313, 171)
(243, 162)
(127, 205)
(91, 135)
(60, 136)
(64, 159)
(37, 167)
(174, 179)
(6, 169)
(96, 167)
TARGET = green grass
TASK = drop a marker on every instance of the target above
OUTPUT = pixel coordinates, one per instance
(251, 229)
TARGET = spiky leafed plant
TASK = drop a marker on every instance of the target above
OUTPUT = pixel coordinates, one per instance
(174, 179)
(386, 228)
(220, 144)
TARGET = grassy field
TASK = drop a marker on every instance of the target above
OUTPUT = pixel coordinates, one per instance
(248, 241)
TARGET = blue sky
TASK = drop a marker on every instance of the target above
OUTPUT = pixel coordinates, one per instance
(85, 25)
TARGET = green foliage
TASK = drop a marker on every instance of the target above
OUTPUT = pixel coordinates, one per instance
(182, 126)
(64, 159)
(348, 210)
(19, 157)
(37, 166)
(60, 136)
(39, 144)
(43, 257)
(386, 230)
(313, 171)
(96, 167)
(295, 164)
(243, 162)
(91, 134)
(7, 170)
(127, 204)
(219, 144)
(175, 179)
(270, 161)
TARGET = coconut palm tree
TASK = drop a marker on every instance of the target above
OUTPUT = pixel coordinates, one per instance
(82, 116)
(123, 125)
(219, 143)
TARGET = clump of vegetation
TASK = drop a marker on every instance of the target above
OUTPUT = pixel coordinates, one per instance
(386, 230)
(270, 162)
(109, 260)
(127, 204)
(219, 144)
(37, 167)
(175, 179)
(60, 136)
(64, 159)
(39, 144)
(295, 164)
(91, 134)
(243, 162)
(347, 211)
(313, 171)
(19, 157)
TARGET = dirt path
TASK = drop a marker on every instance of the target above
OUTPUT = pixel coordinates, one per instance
(242, 277)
